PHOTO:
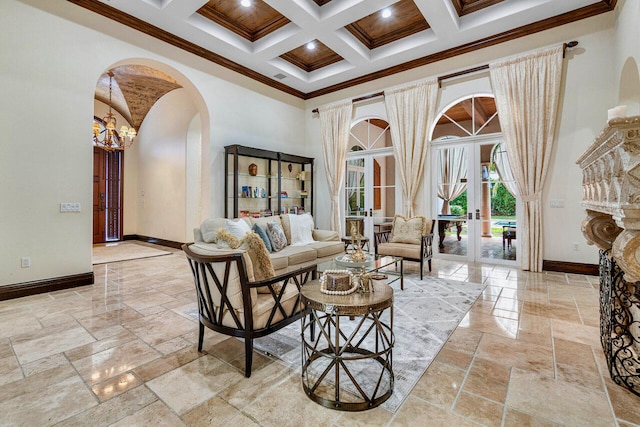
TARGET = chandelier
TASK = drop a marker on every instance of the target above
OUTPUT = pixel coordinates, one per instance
(110, 139)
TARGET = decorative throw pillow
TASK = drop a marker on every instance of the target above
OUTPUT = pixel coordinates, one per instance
(262, 267)
(209, 229)
(237, 228)
(407, 230)
(276, 236)
(227, 240)
(301, 229)
(263, 235)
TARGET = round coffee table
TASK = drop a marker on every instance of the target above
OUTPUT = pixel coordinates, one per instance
(349, 365)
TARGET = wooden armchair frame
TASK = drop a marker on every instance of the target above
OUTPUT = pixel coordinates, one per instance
(426, 246)
(212, 315)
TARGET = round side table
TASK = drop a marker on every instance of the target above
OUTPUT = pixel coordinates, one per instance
(348, 366)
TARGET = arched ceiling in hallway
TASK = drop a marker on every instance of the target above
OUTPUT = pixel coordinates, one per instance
(135, 89)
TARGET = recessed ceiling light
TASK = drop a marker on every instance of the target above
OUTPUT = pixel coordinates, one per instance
(311, 45)
(386, 13)
(246, 3)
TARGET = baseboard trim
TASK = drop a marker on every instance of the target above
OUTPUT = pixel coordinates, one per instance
(571, 267)
(154, 240)
(24, 289)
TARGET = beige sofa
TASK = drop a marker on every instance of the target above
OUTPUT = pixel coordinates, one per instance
(327, 243)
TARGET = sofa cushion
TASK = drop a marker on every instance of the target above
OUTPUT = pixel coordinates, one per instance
(276, 236)
(263, 306)
(279, 260)
(325, 235)
(301, 227)
(408, 230)
(299, 254)
(324, 249)
(263, 235)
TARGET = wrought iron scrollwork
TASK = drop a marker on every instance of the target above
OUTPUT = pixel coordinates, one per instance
(620, 323)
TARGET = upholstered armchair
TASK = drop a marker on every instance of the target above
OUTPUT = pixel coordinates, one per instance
(409, 238)
(232, 302)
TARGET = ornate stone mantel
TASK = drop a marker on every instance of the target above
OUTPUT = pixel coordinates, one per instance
(611, 196)
(611, 193)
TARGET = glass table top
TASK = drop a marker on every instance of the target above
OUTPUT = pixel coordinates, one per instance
(379, 262)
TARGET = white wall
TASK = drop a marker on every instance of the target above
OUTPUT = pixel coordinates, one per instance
(162, 148)
(52, 56)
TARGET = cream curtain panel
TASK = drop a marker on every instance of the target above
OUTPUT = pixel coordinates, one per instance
(501, 160)
(453, 168)
(527, 90)
(335, 122)
(410, 110)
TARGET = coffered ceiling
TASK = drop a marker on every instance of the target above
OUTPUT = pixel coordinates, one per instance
(311, 47)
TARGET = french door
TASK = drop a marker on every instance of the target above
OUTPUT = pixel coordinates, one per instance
(475, 201)
(370, 189)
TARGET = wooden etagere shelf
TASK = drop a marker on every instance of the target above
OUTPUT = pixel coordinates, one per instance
(262, 183)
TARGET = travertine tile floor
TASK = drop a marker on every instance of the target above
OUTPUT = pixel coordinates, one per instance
(122, 352)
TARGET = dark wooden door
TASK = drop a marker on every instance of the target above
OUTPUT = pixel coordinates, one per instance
(107, 195)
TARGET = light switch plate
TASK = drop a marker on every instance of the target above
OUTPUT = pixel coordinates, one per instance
(69, 207)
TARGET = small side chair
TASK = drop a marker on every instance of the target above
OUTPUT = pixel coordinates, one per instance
(409, 238)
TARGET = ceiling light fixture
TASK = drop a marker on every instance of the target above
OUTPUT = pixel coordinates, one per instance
(111, 140)
(311, 45)
(246, 3)
(386, 13)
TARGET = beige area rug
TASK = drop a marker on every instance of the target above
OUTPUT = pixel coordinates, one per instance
(124, 251)
(425, 314)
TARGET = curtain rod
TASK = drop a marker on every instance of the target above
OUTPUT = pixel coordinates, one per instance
(362, 98)
(565, 46)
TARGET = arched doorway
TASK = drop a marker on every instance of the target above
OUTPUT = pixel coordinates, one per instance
(163, 174)
(370, 194)
(474, 193)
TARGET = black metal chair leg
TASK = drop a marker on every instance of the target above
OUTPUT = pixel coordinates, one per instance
(200, 336)
(248, 356)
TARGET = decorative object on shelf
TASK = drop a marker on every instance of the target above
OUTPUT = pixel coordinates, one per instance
(304, 193)
(338, 282)
(111, 139)
(302, 175)
(253, 169)
(290, 167)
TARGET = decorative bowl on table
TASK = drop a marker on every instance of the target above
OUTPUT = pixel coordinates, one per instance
(345, 260)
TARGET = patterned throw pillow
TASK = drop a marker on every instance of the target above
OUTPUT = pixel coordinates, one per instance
(276, 236)
(263, 235)
(407, 230)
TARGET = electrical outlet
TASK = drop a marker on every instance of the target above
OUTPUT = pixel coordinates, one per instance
(576, 246)
(556, 203)
(25, 262)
